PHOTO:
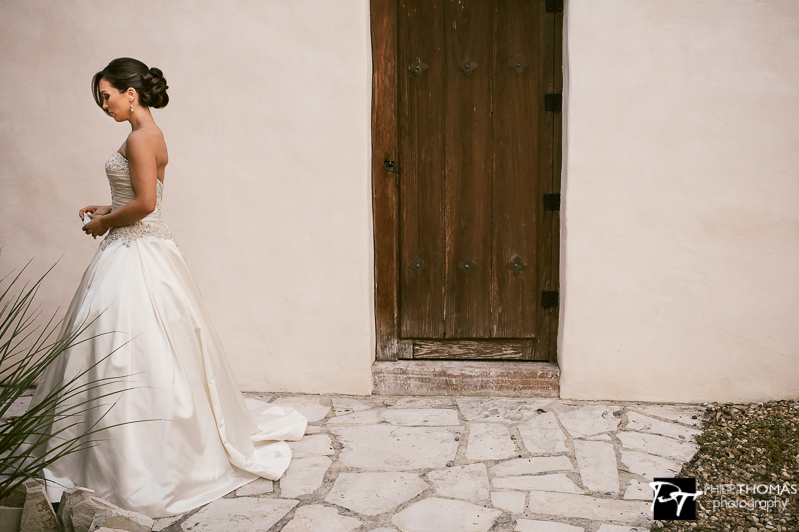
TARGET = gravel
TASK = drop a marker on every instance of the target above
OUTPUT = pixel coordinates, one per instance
(756, 445)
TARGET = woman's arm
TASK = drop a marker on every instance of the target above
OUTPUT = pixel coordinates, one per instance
(143, 176)
(94, 209)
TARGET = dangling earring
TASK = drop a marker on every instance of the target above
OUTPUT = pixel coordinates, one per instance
(131, 107)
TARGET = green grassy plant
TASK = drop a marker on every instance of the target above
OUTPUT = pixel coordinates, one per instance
(29, 442)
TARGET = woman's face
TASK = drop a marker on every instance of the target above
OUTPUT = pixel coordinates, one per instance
(116, 103)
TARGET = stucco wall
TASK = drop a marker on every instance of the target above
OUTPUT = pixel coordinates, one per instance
(680, 254)
(680, 243)
(268, 186)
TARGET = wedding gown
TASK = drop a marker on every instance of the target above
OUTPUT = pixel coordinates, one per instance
(185, 435)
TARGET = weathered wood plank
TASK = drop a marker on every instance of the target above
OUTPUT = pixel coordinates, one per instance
(467, 133)
(546, 348)
(522, 131)
(469, 349)
(420, 44)
(385, 192)
(405, 349)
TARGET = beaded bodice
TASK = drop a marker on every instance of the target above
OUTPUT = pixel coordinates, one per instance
(118, 172)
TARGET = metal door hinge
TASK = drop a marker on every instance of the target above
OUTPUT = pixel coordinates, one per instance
(554, 6)
(549, 298)
(553, 102)
(551, 202)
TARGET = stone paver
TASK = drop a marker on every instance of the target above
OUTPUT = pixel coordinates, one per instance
(18, 407)
(468, 482)
(304, 475)
(636, 421)
(462, 464)
(444, 515)
(597, 463)
(317, 518)
(587, 507)
(660, 445)
(682, 414)
(649, 466)
(617, 528)
(554, 482)
(638, 490)
(256, 487)
(164, 522)
(590, 420)
(489, 441)
(424, 417)
(238, 515)
(499, 409)
(529, 525)
(531, 466)
(313, 445)
(346, 405)
(374, 493)
(308, 405)
(512, 501)
(543, 435)
(388, 448)
(367, 417)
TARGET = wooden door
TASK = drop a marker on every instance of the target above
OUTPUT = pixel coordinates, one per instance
(465, 250)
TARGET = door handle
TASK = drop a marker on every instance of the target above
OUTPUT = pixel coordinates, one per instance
(392, 168)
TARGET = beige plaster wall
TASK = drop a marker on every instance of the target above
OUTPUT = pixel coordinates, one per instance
(680, 253)
(268, 186)
(680, 244)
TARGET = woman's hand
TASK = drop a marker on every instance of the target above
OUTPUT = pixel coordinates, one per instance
(95, 227)
(94, 209)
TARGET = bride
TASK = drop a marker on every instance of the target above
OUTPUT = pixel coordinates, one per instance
(182, 435)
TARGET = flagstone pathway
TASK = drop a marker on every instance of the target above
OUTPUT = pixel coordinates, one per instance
(462, 464)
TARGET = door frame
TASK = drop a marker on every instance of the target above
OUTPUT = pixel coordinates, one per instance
(385, 193)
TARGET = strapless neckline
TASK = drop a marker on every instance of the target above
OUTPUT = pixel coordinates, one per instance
(122, 193)
(123, 164)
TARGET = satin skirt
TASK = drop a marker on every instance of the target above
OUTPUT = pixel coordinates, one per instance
(178, 433)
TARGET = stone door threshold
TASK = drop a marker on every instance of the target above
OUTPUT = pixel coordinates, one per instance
(446, 377)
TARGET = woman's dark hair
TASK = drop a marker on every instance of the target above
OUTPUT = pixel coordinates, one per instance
(125, 72)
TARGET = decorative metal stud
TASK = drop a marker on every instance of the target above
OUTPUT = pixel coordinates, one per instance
(468, 66)
(418, 266)
(516, 266)
(518, 64)
(417, 67)
(467, 265)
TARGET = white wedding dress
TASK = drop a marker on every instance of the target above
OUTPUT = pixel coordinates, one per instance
(185, 435)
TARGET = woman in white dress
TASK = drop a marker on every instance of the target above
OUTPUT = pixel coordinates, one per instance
(202, 439)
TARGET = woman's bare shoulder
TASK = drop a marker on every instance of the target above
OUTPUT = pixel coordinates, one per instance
(147, 140)
(147, 136)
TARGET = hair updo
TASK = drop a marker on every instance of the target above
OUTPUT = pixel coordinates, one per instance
(124, 73)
